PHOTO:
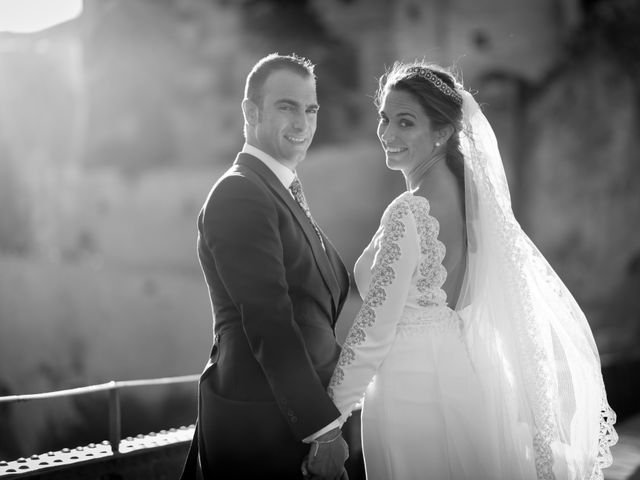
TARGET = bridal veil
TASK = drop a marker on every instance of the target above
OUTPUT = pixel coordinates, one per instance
(529, 340)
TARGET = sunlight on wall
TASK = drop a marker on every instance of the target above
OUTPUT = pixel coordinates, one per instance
(27, 16)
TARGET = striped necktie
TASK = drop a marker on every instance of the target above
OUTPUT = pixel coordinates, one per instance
(296, 190)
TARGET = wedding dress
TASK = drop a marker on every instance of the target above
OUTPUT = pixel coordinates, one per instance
(504, 385)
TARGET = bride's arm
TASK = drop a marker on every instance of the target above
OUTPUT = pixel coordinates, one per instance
(374, 328)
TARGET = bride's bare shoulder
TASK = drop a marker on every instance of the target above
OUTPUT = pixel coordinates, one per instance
(446, 204)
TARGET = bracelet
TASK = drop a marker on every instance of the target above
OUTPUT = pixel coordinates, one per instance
(318, 442)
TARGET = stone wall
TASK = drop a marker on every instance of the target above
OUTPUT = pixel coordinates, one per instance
(584, 169)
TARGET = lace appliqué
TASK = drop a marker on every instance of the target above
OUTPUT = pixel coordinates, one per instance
(383, 275)
(536, 358)
(606, 439)
(432, 272)
(437, 319)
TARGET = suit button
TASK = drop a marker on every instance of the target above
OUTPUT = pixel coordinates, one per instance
(294, 419)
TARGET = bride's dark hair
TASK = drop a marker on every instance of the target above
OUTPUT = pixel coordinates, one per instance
(441, 103)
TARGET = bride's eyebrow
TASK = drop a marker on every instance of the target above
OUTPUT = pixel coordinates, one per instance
(406, 114)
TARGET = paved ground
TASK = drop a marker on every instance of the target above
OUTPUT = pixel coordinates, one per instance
(626, 454)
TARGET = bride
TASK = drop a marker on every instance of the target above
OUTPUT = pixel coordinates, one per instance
(483, 365)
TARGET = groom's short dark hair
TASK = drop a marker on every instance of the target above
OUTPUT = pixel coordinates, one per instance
(269, 64)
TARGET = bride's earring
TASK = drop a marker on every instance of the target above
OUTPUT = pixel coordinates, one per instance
(437, 144)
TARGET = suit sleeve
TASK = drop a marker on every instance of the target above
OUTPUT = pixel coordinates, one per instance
(374, 328)
(240, 227)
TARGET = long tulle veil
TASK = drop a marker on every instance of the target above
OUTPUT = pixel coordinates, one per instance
(527, 336)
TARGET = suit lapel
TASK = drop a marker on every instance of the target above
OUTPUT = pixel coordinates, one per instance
(321, 258)
(340, 271)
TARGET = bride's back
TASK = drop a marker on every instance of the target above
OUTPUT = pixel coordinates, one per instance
(445, 193)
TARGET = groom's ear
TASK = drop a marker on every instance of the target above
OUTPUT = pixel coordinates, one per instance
(251, 112)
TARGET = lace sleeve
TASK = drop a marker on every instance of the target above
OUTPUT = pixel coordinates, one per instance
(373, 331)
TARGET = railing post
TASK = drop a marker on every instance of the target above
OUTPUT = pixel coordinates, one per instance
(115, 426)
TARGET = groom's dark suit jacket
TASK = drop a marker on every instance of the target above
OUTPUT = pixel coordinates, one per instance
(276, 295)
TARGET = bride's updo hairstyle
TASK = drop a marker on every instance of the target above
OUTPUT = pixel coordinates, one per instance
(436, 90)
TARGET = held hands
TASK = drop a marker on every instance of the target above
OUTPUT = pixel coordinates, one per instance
(326, 457)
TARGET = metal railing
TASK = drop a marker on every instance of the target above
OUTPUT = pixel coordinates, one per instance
(114, 388)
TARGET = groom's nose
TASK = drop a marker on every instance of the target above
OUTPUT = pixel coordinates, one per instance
(300, 121)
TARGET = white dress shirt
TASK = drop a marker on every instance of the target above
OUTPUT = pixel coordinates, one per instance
(284, 174)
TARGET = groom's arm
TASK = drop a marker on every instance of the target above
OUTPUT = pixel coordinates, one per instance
(240, 226)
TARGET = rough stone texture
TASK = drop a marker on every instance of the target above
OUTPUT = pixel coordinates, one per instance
(584, 202)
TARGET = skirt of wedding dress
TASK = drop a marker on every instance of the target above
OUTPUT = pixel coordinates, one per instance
(424, 416)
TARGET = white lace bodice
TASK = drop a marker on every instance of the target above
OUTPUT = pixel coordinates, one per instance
(429, 275)
(400, 275)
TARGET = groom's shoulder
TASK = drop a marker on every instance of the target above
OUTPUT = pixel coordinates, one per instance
(235, 173)
(242, 170)
(238, 181)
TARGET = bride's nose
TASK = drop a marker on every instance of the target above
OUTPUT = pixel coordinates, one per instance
(386, 133)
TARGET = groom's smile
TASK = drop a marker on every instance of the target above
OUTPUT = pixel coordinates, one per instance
(287, 118)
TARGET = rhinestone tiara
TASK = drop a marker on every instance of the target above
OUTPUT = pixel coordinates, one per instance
(436, 82)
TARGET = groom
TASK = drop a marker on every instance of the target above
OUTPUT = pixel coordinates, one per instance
(277, 286)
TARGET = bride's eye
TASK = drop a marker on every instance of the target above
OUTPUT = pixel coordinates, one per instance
(382, 120)
(406, 123)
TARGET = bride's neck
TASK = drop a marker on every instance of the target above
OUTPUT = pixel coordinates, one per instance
(417, 176)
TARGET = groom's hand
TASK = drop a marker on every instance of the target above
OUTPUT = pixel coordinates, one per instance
(326, 456)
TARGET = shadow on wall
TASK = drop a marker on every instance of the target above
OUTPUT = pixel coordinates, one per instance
(15, 221)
